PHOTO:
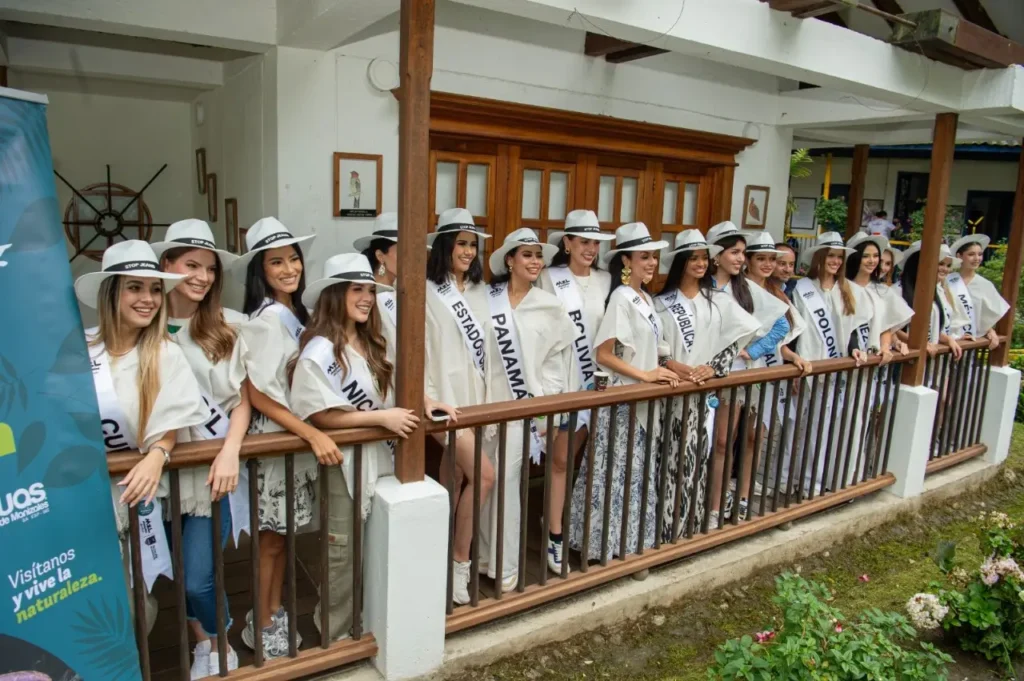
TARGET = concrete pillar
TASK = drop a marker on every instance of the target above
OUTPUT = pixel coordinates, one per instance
(1000, 405)
(912, 439)
(405, 574)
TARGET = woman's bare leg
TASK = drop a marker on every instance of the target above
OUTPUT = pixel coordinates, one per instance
(559, 466)
(464, 447)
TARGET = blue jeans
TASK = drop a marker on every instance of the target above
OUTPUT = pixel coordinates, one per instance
(197, 556)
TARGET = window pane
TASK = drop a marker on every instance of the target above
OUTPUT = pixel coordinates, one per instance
(531, 194)
(476, 188)
(446, 192)
(668, 209)
(690, 203)
(558, 192)
(627, 211)
(606, 199)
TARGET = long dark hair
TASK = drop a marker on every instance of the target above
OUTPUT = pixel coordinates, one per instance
(853, 262)
(561, 258)
(675, 276)
(506, 276)
(740, 286)
(615, 267)
(207, 327)
(439, 263)
(258, 290)
(908, 280)
(382, 245)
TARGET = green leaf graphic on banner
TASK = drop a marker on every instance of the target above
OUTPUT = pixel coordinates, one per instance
(72, 358)
(88, 425)
(30, 443)
(32, 233)
(106, 640)
(9, 369)
(72, 466)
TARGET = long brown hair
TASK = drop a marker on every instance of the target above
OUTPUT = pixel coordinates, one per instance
(818, 266)
(148, 343)
(328, 320)
(207, 327)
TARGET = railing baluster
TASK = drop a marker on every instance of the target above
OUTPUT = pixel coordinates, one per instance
(943, 412)
(745, 417)
(499, 535)
(645, 481)
(895, 381)
(139, 591)
(545, 521)
(695, 474)
(807, 439)
(757, 419)
(449, 460)
(852, 435)
(524, 505)
(474, 555)
(178, 567)
(979, 370)
(628, 487)
(290, 572)
(863, 446)
(948, 445)
(795, 476)
(357, 542)
(706, 444)
(218, 587)
(816, 463)
(325, 562)
(609, 478)
(839, 407)
(666, 432)
(950, 403)
(588, 492)
(727, 463)
(767, 483)
(984, 392)
(972, 396)
(254, 560)
(783, 450)
(570, 468)
(965, 397)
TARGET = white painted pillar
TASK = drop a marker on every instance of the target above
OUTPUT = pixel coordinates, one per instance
(912, 439)
(405, 576)
(1000, 405)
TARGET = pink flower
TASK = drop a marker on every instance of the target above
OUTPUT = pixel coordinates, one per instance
(764, 636)
(864, 578)
(839, 628)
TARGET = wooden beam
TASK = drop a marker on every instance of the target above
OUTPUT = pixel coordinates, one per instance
(973, 11)
(634, 53)
(858, 177)
(416, 64)
(889, 7)
(943, 145)
(945, 37)
(1012, 269)
(615, 50)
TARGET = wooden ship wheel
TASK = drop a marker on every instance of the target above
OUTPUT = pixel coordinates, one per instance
(105, 212)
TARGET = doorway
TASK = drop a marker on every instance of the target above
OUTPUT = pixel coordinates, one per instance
(990, 213)
(911, 195)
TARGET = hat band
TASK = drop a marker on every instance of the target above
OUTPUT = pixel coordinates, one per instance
(634, 242)
(693, 245)
(830, 244)
(583, 229)
(266, 241)
(760, 247)
(386, 233)
(458, 227)
(353, 276)
(189, 241)
(527, 240)
(132, 266)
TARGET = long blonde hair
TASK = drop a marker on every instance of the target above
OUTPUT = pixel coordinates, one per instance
(148, 344)
(207, 328)
(818, 266)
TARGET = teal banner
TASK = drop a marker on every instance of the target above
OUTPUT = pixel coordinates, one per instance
(64, 600)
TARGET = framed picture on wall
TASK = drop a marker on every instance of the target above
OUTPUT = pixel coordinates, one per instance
(211, 196)
(755, 207)
(358, 185)
(868, 210)
(201, 169)
(802, 220)
(231, 224)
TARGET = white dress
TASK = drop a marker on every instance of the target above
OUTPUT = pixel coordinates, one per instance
(269, 346)
(451, 374)
(593, 289)
(222, 382)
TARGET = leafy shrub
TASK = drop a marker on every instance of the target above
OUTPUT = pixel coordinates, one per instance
(832, 213)
(816, 642)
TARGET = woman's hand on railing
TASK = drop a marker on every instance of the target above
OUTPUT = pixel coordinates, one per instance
(399, 421)
(900, 347)
(143, 479)
(858, 356)
(886, 355)
(323, 447)
(993, 339)
(932, 349)
(700, 374)
(955, 348)
(430, 406)
(743, 354)
(661, 375)
(223, 477)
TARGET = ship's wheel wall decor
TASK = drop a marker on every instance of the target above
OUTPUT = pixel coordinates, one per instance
(100, 214)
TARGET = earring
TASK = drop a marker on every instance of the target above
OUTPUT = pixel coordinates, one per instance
(567, 251)
(627, 271)
(381, 271)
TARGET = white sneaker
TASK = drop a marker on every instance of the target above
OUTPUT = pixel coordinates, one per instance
(214, 669)
(275, 639)
(509, 583)
(201, 660)
(460, 582)
(281, 618)
(555, 549)
(713, 521)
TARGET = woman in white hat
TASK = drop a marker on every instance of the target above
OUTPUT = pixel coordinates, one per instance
(890, 311)
(948, 317)
(705, 329)
(630, 345)
(458, 335)
(381, 250)
(887, 264)
(148, 398)
(533, 341)
(575, 277)
(274, 283)
(344, 378)
(207, 333)
(979, 296)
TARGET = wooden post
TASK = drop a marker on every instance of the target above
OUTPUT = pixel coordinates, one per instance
(828, 177)
(857, 179)
(1012, 269)
(943, 145)
(416, 63)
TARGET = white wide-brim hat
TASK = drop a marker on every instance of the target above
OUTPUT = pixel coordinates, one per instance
(762, 242)
(633, 236)
(723, 230)
(125, 258)
(825, 241)
(864, 238)
(353, 268)
(982, 240)
(524, 236)
(897, 255)
(453, 221)
(264, 235)
(944, 252)
(687, 240)
(581, 223)
(192, 233)
(385, 226)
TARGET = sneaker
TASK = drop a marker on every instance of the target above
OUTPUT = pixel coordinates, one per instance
(275, 640)
(281, 618)
(509, 583)
(201, 660)
(713, 521)
(555, 556)
(214, 669)
(460, 582)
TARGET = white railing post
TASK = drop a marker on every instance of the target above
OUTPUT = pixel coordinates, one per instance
(912, 438)
(997, 418)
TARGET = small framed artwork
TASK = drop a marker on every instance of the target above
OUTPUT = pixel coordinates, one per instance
(755, 207)
(201, 169)
(211, 196)
(358, 185)
(869, 209)
(802, 219)
(231, 224)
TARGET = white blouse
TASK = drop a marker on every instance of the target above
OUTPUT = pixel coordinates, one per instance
(989, 304)
(717, 324)
(593, 291)
(809, 344)
(451, 373)
(641, 345)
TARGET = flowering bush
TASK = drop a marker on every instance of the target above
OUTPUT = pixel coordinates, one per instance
(926, 611)
(816, 642)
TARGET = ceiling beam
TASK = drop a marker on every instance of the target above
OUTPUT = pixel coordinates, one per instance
(945, 37)
(976, 14)
(889, 7)
(617, 51)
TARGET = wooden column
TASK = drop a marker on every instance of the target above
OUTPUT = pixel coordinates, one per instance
(857, 178)
(416, 63)
(1012, 269)
(943, 145)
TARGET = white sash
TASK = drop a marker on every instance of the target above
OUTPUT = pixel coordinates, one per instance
(958, 286)
(390, 304)
(820, 317)
(773, 358)
(216, 428)
(472, 332)
(863, 336)
(568, 291)
(511, 353)
(291, 322)
(681, 309)
(118, 437)
(640, 302)
(947, 311)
